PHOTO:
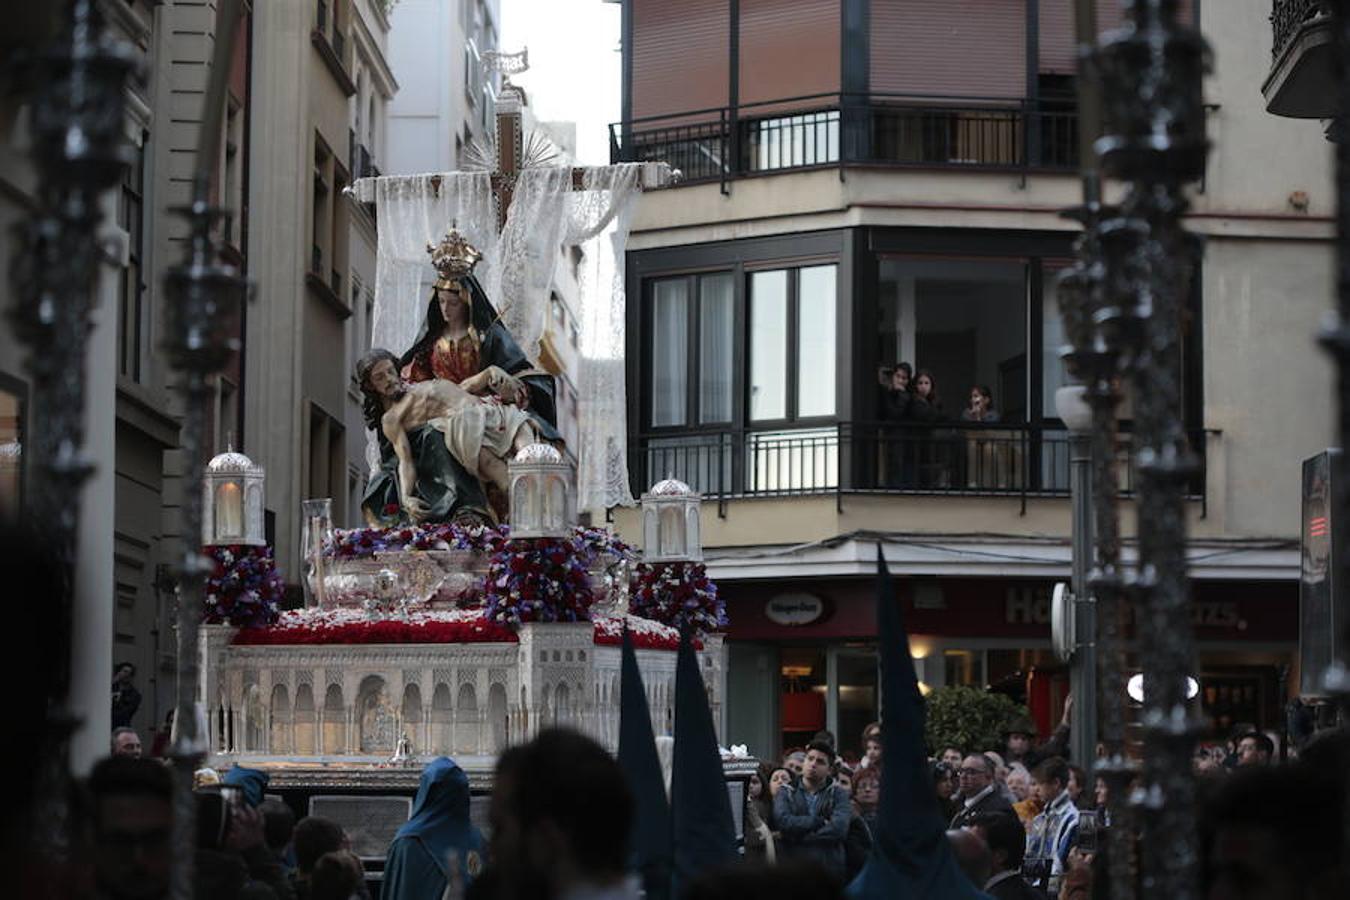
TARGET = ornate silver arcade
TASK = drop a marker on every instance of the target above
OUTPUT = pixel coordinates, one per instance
(543, 501)
(232, 501)
(670, 523)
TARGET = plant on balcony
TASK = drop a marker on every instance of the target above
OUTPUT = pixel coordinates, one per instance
(678, 594)
(969, 718)
(244, 588)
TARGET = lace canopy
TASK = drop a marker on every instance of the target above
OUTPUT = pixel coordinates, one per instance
(516, 271)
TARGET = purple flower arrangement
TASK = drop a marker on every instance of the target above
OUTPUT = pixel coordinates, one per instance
(678, 594)
(538, 580)
(244, 588)
(362, 543)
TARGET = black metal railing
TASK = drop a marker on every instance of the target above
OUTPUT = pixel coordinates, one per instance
(1287, 17)
(874, 457)
(834, 129)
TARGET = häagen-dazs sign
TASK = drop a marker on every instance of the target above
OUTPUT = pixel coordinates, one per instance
(794, 609)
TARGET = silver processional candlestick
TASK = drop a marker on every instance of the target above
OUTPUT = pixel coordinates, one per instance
(205, 296)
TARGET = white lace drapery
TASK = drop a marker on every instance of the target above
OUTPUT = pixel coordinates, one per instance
(546, 214)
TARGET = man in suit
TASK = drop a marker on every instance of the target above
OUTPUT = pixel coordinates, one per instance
(1007, 843)
(979, 793)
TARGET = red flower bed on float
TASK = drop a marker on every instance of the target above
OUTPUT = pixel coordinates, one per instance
(350, 626)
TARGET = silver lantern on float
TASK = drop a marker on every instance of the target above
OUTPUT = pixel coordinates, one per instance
(671, 524)
(232, 501)
(543, 504)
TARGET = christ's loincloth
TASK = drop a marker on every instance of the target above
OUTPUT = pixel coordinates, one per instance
(481, 426)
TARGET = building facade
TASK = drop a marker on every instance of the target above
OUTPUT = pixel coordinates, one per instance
(445, 103)
(856, 195)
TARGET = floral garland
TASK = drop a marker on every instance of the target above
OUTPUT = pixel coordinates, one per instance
(645, 634)
(353, 626)
(362, 543)
(244, 588)
(678, 594)
(540, 580)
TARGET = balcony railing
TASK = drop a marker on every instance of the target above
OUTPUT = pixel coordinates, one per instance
(957, 458)
(1287, 17)
(840, 129)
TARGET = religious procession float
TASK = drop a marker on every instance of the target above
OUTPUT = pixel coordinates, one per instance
(469, 613)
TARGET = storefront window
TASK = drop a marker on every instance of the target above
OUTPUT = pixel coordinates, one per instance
(856, 675)
(801, 702)
(964, 667)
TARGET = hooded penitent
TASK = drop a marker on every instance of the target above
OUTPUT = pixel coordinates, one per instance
(419, 861)
(650, 840)
(705, 835)
(910, 856)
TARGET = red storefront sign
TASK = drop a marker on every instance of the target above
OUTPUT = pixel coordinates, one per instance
(994, 608)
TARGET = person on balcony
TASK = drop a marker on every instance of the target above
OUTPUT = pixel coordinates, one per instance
(981, 408)
(896, 406)
(934, 456)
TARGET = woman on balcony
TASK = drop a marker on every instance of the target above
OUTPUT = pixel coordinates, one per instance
(933, 449)
(897, 459)
(985, 454)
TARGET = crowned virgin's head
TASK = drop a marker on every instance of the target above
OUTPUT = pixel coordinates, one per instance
(453, 258)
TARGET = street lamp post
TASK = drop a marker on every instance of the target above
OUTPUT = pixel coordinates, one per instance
(1076, 413)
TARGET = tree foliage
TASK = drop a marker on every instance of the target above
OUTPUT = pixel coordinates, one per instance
(969, 718)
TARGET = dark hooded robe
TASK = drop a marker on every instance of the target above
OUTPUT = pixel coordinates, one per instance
(437, 835)
(443, 484)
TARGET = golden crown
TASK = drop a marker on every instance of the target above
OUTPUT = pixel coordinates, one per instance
(453, 257)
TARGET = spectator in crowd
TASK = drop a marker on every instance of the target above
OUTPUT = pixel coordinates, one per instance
(867, 795)
(759, 816)
(843, 776)
(1007, 841)
(1052, 832)
(125, 698)
(313, 837)
(1277, 833)
(339, 876)
(813, 816)
(952, 756)
(278, 827)
(159, 746)
(1255, 749)
(561, 816)
(896, 409)
(780, 778)
(1100, 791)
(438, 847)
(828, 738)
(126, 742)
(926, 410)
(1025, 804)
(981, 408)
(1000, 775)
(978, 793)
(871, 749)
(895, 391)
(945, 785)
(131, 823)
(1020, 737)
(1077, 784)
(972, 855)
(232, 856)
(794, 760)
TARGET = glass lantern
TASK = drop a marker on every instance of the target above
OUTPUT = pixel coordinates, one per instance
(316, 525)
(542, 500)
(232, 501)
(670, 523)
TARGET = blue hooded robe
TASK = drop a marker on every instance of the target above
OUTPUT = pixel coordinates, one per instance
(418, 864)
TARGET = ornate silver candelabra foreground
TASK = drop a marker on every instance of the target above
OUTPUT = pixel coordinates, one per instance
(1151, 88)
(201, 331)
(80, 152)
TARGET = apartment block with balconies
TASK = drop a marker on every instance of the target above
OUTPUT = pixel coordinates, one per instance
(867, 182)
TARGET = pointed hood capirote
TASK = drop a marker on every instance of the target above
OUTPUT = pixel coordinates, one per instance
(910, 855)
(704, 831)
(418, 864)
(649, 843)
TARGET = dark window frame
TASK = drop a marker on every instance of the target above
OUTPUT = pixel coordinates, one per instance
(131, 289)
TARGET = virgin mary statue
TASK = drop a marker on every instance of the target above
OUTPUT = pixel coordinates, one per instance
(463, 340)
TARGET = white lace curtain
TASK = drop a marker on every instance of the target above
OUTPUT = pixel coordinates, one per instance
(516, 272)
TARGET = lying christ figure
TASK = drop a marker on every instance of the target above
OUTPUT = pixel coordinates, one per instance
(482, 433)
